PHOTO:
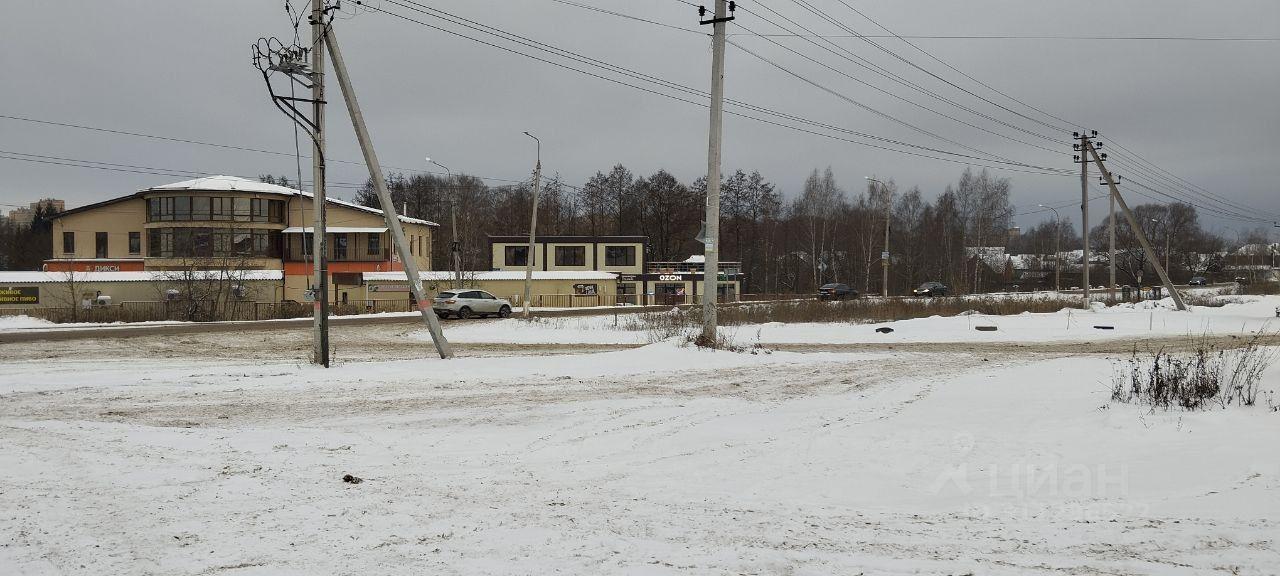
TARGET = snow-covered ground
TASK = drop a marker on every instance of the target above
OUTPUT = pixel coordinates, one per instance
(654, 460)
(1243, 315)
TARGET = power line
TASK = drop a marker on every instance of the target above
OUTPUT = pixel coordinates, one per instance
(435, 13)
(214, 144)
(1032, 37)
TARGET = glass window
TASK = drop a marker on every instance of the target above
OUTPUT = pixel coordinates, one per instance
(571, 255)
(100, 245)
(166, 208)
(221, 209)
(516, 256)
(242, 241)
(202, 242)
(154, 240)
(242, 209)
(339, 246)
(260, 209)
(182, 208)
(619, 255)
(69, 242)
(200, 208)
(374, 242)
(276, 211)
(472, 294)
(135, 242)
(153, 210)
(182, 242)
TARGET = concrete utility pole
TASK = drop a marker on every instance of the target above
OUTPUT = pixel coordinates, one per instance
(319, 245)
(1088, 150)
(1084, 208)
(1057, 248)
(1111, 245)
(884, 256)
(1166, 239)
(455, 256)
(711, 246)
(384, 197)
(533, 227)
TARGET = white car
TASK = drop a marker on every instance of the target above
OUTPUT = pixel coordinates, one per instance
(470, 304)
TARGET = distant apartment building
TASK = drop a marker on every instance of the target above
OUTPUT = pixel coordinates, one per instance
(25, 216)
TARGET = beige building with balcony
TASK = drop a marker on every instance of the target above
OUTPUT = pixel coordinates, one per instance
(234, 223)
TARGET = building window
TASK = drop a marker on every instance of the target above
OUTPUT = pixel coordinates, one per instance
(339, 246)
(182, 208)
(135, 242)
(69, 242)
(240, 209)
(619, 255)
(571, 255)
(516, 255)
(411, 244)
(100, 245)
(212, 242)
(201, 207)
(374, 244)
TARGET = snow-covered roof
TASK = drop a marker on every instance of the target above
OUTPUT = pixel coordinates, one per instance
(238, 184)
(226, 183)
(492, 275)
(33, 277)
(333, 230)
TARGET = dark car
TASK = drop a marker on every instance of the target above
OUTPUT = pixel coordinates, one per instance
(1197, 281)
(836, 292)
(931, 289)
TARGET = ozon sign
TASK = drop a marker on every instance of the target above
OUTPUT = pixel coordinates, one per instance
(669, 277)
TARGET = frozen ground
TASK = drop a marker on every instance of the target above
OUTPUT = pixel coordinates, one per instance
(180, 456)
(1150, 319)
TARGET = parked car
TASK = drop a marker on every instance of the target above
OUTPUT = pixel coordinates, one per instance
(1241, 280)
(836, 292)
(469, 304)
(1197, 281)
(931, 289)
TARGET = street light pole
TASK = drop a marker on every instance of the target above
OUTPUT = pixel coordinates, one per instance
(884, 257)
(1057, 248)
(533, 227)
(454, 248)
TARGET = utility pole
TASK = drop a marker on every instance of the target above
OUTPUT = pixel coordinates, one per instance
(1111, 245)
(1084, 205)
(1089, 151)
(711, 245)
(1166, 238)
(319, 244)
(533, 227)
(384, 197)
(455, 248)
(1057, 248)
(884, 256)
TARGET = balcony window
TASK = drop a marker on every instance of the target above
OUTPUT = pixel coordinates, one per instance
(340, 247)
(374, 244)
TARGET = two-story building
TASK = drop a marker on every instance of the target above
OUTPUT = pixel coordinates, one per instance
(226, 222)
(638, 282)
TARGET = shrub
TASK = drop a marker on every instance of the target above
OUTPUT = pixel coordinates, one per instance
(1207, 375)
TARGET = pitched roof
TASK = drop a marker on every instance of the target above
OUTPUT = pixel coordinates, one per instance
(237, 184)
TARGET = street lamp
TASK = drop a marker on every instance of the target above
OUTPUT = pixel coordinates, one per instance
(884, 256)
(533, 226)
(1057, 248)
(454, 246)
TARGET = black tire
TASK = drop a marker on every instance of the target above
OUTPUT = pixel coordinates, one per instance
(442, 315)
(464, 312)
(504, 311)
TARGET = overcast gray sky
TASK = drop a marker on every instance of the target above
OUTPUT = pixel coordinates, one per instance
(1206, 111)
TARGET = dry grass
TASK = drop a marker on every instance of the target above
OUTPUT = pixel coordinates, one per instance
(1198, 379)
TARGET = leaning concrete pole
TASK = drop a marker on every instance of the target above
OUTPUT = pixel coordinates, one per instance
(533, 230)
(1137, 230)
(384, 197)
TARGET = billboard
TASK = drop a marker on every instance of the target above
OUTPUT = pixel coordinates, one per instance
(19, 295)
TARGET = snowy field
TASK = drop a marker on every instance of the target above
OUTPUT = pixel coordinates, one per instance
(1150, 319)
(656, 459)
